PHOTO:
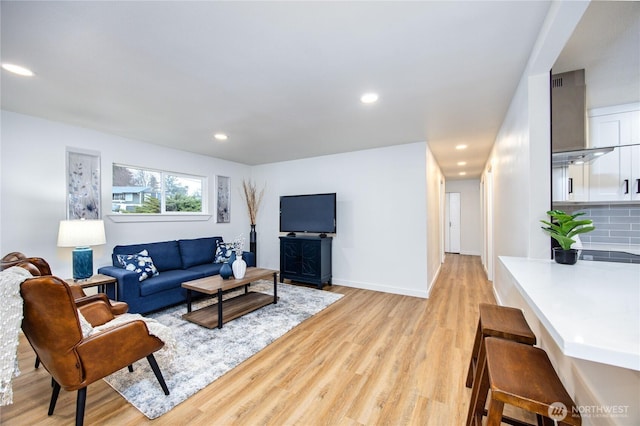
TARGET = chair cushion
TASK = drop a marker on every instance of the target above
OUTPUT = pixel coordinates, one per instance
(198, 251)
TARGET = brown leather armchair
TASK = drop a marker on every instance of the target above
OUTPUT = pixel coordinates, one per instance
(51, 325)
(37, 266)
(40, 267)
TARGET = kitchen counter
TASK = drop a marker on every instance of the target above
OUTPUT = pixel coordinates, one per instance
(635, 250)
(591, 310)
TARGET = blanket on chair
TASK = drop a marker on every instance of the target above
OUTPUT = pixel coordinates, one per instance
(11, 320)
(161, 331)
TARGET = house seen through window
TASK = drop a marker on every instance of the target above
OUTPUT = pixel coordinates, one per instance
(136, 190)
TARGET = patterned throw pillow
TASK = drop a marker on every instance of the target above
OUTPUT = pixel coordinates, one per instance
(223, 252)
(139, 263)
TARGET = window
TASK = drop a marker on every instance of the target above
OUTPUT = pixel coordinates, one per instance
(136, 190)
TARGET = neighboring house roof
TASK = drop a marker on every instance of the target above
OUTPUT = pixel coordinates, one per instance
(130, 189)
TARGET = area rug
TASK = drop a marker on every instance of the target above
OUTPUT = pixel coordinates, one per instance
(203, 355)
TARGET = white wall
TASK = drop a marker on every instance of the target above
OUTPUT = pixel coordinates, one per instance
(520, 159)
(435, 212)
(381, 239)
(470, 215)
(33, 188)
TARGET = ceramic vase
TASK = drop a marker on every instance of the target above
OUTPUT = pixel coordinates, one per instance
(225, 271)
(253, 237)
(239, 267)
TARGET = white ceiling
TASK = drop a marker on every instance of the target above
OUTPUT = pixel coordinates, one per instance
(282, 79)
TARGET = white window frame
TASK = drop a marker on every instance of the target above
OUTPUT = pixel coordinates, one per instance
(165, 216)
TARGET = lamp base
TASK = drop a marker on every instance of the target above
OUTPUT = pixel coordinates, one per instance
(82, 263)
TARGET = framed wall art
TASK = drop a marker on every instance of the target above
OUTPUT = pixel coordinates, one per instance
(223, 199)
(83, 184)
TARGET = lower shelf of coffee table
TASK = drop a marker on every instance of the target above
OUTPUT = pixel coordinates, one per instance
(231, 309)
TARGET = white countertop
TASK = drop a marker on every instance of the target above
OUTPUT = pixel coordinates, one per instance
(612, 247)
(590, 309)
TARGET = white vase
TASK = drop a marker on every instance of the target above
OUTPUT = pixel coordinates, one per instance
(239, 267)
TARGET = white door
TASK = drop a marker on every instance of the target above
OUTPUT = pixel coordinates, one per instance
(452, 228)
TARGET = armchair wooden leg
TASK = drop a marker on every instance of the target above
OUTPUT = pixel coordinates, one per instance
(37, 364)
(80, 403)
(130, 367)
(158, 373)
(54, 396)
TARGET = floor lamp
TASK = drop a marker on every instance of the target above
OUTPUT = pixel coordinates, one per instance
(81, 234)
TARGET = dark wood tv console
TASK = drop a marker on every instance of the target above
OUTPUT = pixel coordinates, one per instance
(306, 259)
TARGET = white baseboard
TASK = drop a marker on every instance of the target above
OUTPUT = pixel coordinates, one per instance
(433, 281)
(382, 288)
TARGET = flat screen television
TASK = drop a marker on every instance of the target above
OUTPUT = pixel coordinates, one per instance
(315, 213)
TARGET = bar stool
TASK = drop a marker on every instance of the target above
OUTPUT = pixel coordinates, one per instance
(498, 321)
(522, 376)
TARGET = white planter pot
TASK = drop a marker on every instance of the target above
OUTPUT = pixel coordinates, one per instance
(239, 267)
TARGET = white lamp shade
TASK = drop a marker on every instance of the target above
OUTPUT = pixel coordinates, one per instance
(81, 233)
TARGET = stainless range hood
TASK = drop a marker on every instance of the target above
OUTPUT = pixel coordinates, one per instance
(568, 115)
(582, 156)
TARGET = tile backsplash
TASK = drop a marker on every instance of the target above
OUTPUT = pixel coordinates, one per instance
(615, 223)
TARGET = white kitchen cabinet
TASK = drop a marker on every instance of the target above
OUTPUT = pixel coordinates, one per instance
(570, 183)
(616, 175)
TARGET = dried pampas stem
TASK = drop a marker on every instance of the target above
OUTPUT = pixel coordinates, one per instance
(253, 199)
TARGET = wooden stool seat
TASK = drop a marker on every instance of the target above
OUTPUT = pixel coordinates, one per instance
(498, 321)
(522, 376)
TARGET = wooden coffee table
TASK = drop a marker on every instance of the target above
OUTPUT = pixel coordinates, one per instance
(224, 311)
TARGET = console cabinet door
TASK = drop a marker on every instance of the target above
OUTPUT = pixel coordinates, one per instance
(290, 261)
(310, 259)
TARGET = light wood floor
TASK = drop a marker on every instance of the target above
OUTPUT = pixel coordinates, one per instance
(371, 358)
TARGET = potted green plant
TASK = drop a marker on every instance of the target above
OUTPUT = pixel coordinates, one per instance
(562, 228)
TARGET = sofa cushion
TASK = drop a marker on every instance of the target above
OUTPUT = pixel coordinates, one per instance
(167, 280)
(198, 251)
(140, 263)
(207, 269)
(223, 252)
(165, 255)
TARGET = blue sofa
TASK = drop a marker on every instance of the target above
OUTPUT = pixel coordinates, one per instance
(177, 261)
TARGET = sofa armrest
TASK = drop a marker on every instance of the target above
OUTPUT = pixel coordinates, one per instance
(249, 258)
(128, 284)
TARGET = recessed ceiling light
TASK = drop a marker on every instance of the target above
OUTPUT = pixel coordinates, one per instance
(17, 69)
(220, 136)
(462, 163)
(462, 173)
(369, 98)
(461, 147)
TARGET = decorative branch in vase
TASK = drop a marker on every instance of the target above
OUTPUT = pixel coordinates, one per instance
(253, 197)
